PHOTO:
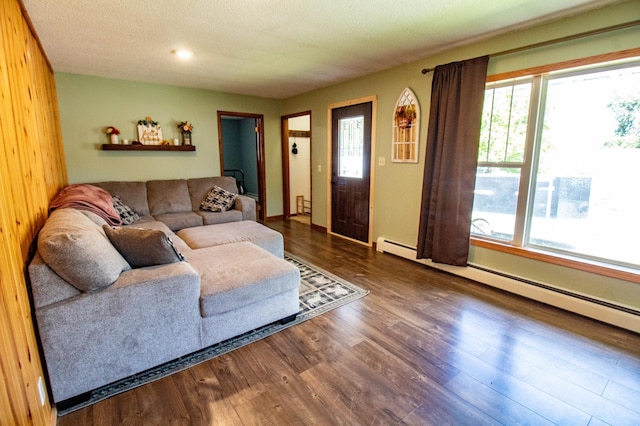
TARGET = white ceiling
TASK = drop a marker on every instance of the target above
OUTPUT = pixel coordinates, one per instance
(276, 48)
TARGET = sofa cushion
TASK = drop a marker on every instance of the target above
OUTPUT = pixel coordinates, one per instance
(143, 247)
(213, 218)
(241, 275)
(176, 221)
(218, 200)
(127, 215)
(233, 232)
(133, 194)
(168, 196)
(78, 250)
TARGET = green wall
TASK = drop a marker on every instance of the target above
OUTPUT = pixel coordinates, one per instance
(398, 186)
(89, 104)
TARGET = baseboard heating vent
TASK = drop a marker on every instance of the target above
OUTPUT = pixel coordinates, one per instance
(601, 310)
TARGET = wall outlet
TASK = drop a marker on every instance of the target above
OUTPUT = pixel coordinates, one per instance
(43, 396)
(381, 161)
(319, 167)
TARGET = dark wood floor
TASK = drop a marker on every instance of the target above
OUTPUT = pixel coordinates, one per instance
(422, 348)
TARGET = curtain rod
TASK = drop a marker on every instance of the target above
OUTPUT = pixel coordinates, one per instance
(557, 40)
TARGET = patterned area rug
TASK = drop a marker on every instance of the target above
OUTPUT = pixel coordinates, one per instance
(320, 292)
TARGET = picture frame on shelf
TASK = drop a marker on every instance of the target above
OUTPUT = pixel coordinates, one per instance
(149, 132)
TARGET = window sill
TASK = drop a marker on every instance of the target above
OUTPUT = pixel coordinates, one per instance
(610, 271)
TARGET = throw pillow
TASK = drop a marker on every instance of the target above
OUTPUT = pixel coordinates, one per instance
(127, 215)
(143, 247)
(218, 200)
(78, 251)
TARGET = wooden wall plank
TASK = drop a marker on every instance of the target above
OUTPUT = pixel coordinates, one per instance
(32, 171)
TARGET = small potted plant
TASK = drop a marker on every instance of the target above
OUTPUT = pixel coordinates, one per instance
(113, 133)
(185, 128)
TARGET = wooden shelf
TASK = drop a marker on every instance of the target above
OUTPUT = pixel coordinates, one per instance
(113, 147)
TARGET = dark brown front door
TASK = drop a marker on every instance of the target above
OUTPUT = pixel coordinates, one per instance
(350, 171)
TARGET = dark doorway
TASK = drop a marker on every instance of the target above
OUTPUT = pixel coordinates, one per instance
(241, 142)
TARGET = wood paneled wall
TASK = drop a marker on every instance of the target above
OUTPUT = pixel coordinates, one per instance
(32, 170)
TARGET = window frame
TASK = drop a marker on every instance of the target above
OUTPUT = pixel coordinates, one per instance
(525, 204)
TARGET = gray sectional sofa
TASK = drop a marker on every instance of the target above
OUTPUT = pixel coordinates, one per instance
(114, 301)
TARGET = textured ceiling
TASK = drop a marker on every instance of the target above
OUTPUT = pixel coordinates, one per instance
(276, 48)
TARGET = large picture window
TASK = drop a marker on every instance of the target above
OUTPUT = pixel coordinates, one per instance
(559, 161)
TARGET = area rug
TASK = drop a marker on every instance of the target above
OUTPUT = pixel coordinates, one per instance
(320, 292)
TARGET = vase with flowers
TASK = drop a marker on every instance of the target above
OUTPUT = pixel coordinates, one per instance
(185, 128)
(113, 133)
(405, 115)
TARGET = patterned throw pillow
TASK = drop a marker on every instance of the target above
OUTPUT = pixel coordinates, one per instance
(218, 200)
(127, 215)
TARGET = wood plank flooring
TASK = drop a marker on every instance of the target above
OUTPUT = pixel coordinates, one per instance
(423, 348)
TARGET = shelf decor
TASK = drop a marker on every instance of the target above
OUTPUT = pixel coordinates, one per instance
(186, 128)
(149, 132)
(406, 127)
(113, 133)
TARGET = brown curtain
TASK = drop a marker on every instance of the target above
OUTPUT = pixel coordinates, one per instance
(457, 96)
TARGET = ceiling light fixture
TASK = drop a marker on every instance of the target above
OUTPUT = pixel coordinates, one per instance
(183, 54)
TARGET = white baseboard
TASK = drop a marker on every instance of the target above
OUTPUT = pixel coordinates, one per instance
(545, 294)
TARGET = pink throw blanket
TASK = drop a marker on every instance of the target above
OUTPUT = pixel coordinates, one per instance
(87, 197)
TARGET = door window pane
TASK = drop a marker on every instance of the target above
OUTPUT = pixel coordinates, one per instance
(351, 147)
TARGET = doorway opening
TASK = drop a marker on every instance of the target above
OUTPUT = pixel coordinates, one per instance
(296, 167)
(241, 144)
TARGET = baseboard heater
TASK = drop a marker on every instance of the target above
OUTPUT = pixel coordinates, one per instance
(601, 310)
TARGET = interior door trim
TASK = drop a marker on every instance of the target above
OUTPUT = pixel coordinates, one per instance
(374, 108)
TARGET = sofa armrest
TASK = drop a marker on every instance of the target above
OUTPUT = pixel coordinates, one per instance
(147, 317)
(247, 206)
